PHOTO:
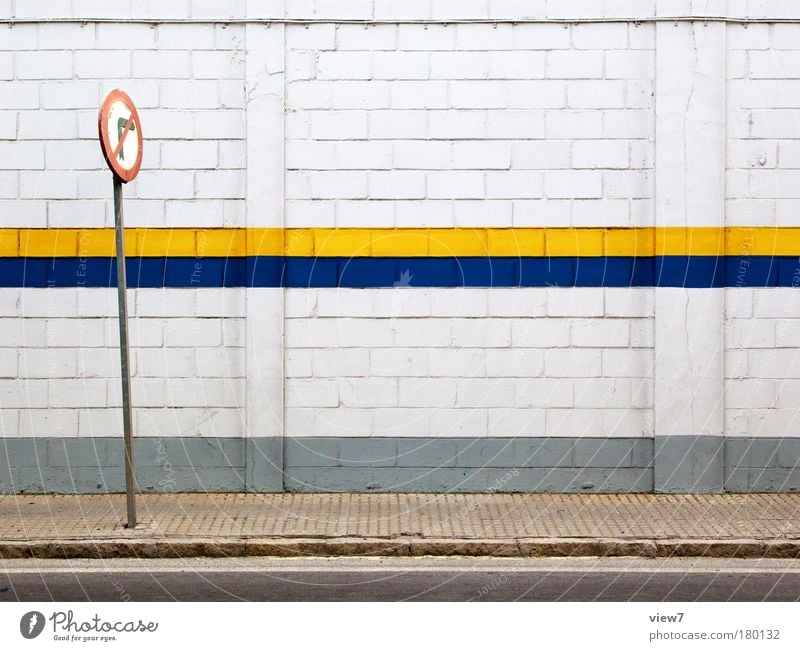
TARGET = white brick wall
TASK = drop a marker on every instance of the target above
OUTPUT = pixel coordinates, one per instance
(385, 125)
(434, 363)
(188, 84)
(763, 94)
(187, 361)
(452, 114)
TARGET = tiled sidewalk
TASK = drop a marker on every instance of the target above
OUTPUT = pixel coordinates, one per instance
(391, 516)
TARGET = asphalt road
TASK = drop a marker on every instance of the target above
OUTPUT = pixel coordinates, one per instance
(423, 579)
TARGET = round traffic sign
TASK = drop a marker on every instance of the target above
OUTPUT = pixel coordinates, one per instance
(120, 135)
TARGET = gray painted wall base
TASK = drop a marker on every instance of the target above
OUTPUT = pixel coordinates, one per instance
(393, 464)
(689, 464)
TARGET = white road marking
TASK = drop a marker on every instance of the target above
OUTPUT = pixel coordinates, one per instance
(402, 566)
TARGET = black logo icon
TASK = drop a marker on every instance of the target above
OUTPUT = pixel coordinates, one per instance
(31, 624)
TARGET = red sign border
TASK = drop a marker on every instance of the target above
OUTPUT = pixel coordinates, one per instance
(118, 95)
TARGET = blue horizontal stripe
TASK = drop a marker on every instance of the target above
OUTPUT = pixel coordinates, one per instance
(276, 271)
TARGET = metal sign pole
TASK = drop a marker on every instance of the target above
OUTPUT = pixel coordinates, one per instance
(124, 353)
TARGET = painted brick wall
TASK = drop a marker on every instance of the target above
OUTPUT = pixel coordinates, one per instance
(407, 125)
(187, 79)
(469, 125)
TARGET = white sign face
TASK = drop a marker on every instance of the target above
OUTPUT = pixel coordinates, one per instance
(121, 126)
(120, 133)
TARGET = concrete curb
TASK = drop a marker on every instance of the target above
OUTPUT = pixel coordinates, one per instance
(298, 547)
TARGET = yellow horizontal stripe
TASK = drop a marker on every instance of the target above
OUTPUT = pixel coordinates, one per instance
(402, 242)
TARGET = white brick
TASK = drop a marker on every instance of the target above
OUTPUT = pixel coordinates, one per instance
(539, 333)
(418, 94)
(341, 422)
(774, 64)
(478, 94)
(753, 393)
(784, 37)
(312, 393)
(173, 64)
(602, 393)
(457, 301)
(611, 333)
(351, 362)
(480, 212)
(217, 65)
(459, 422)
(516, 124)
(368, 393)
(429, 214)
(484, 37)
(421, 333)
(628, 184)
(578, 302)
(523, 94)
(400, 65)
(574, 65)
(489, 392)
(397, 362)
(459, 124)
(481, 155)
(401, 422)
(356, 94)
(755, 333)
(8, 363)
(23, 393)
(438, 392)
(135, 37)
(225, 362)
(540, 155)
(298, 363)
(516, 65)
(102, 363)
(627, 363)
(43, 65)
(470, 333)
(338, 125)
(514, 184)
(599, 36)
(344, 65)
(47, 362)
(541, 37)
(519, 363)
(396, 185)
(341, 185)
(183, 154)
(459, 65)
(527, 302)
(220, 184)
(516, 422)
(574, 124)
(422, 155)
(192, 332)
(425, 37)
(629, 64)
(95, 64)
(311, 36)
(80, 393)
(464, 362)
(450, 185)
(352, 9)
(544, 392)
(165, 363)
(566, 184)
(595, 94)
(397, 124)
